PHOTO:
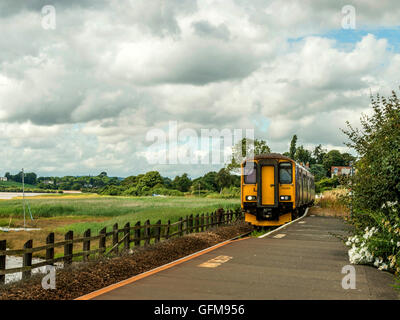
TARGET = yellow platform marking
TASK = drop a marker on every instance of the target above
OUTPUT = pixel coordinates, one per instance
(280, 235)
(154, 271)
(302, 222)
(215, 262)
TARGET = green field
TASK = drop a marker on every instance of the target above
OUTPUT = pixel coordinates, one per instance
(16, 184)
(109, 209)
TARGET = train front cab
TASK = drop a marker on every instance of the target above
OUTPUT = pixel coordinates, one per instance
(287, 189)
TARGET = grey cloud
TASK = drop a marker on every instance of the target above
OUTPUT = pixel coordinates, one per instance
(205, 29)
(13, 7)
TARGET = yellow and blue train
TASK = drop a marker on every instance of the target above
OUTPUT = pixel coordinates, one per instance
(275, 189)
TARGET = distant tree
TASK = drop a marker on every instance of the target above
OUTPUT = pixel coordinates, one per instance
(150, 179)
(302, 155)
(261, 147)
(223, 179)
(130, 181)
(292, 150)
(243, 149)
(347, 158)
(167, 182)
(319, 153)
(182, 183)
(199, 184)
(76, 186)
(30, 178)
(103, 174)
(209, 181)
(318, 171)
(332, 158)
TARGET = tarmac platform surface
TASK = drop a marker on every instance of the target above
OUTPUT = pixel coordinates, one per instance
(302, 261)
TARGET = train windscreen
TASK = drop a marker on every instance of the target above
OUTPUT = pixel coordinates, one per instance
(285, 172)
(250, 176)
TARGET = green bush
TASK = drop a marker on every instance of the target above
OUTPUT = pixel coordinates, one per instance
(227, 193)
(376, 186)
(377, 178)
(326, 184)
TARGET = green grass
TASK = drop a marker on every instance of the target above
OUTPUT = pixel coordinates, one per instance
(256, 233)
(16, 184)
(118, 209)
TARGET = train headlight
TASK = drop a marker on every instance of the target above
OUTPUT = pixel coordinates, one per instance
(285, 198)
(251, 198)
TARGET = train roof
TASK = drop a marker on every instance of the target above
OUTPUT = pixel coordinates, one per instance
(271, 156)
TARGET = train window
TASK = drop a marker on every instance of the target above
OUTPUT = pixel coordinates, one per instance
(285, 172)
(250, 173)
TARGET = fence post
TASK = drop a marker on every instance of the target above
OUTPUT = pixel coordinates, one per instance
(3, 246)
(238, 214)
(86, 245)
(68, 248)
(102, 241)
(207, 220)
(115, 238)
(27, 259)
(137, 234)
(180, 227)
(168, 229)
(147, 233)
(187, 224)
(127, 232)
(157, 232)
(191, 223)
(196, 223)
(50, 251)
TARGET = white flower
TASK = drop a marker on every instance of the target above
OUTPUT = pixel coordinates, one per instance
(383, 267)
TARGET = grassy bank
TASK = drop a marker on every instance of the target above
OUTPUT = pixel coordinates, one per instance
(332, 203)
(61, 213)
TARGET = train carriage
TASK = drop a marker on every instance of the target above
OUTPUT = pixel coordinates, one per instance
(275, 189)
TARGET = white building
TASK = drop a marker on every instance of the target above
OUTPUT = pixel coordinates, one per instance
(3, 179)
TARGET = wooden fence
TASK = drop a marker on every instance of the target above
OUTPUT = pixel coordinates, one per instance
(120, 239)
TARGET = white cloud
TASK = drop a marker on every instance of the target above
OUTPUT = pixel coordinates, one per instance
(81, 98)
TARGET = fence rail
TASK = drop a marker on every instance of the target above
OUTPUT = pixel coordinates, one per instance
(119, 239)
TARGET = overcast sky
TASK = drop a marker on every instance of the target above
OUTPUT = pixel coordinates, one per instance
(81, 98)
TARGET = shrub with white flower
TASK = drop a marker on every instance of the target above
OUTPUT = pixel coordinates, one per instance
(378, 245)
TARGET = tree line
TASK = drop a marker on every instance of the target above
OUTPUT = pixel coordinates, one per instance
(224, 182)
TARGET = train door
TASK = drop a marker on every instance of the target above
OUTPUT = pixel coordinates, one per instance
(268, 185)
